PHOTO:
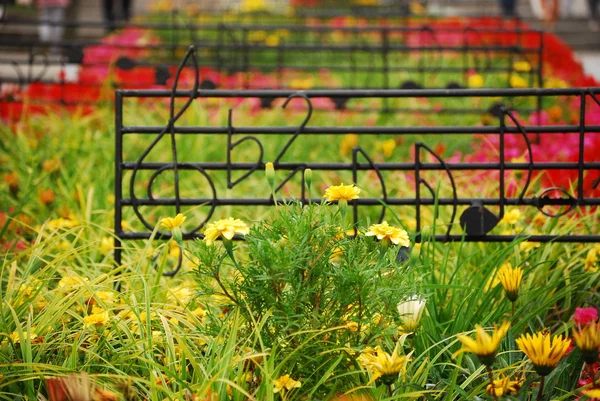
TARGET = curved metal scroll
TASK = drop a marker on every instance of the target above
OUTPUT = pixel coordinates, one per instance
(419, 181)
(170, 128)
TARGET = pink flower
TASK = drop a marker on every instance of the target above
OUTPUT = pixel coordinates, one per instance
(584, 316)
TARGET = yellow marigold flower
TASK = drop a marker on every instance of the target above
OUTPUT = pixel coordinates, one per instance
(285, 382)
(172, 223)
(250, 6)
(352, 326)
(382, 365)
(96, 319)
(341, 192)
(272, 40)
(592, 393)
(387, 147)
(528, 246)
(555, 83)
(108, 297)
(226, 228)
(592, 259)
(511, 217)
(302, 84)
(516, 81)
(587, 339)
(522, 66)
(106, 245)
(410, 312)
(387, 233)
(348, 142)
(67, 282)
(503, 386)
(475, 81)
(543, 352)
(336, 256)
(539, 220)
(511, 280)
(26, 336)
(484, 345)
(181, 294)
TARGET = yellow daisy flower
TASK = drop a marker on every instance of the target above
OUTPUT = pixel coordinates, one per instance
(543, 352)
(484, 345)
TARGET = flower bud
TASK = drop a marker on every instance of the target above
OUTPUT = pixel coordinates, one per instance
(308, 178)
(270, 173)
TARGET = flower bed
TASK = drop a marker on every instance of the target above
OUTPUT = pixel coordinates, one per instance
(300, 309)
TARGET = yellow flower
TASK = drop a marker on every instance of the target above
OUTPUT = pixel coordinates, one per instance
(592, 259)
(106, 246)
(172, 223)
(387, 233)
(270, 173)
(484, 345)
(592, 393)
(539, 220)
(382, 365)
(410, 312)
(96, 319)
(543, 353)
(250, 6)
(348, 142)
(555, 83)
(226, 228)
(511, 217)
(302, 84)
(26, 336)
(504, 386)
(285, 382)
(181, 294)
(272, 40)
(528, 246)
(66, 283)
(516, 81)
(475, 81)
(587, 339)
(387, 147)
(336, 256)
(341, 192)
(511, 280)
(522, 66)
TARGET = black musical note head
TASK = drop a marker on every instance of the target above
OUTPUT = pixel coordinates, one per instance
(266, 102)
(454, 85)
(340, 102)
(410, 85)
(496, 109)
(208, 84)
(125, 63)
(74, 55)
(161, 75)
(476, 220)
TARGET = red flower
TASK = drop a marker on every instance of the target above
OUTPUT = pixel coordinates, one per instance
(585, 316)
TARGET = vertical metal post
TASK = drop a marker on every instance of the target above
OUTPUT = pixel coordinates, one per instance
(246, 59)
(540, 75)
(418, 190)
(502, 162)
(581, 159)
(118, 175)
(385, 44)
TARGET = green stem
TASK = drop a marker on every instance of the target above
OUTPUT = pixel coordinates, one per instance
(541, 391)
(491, 376)
(513, 309)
